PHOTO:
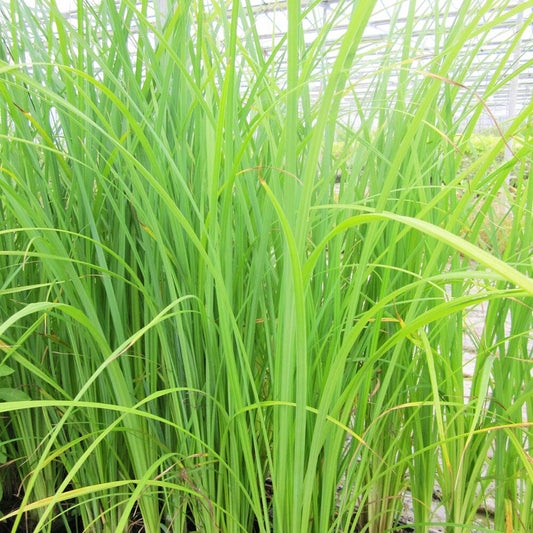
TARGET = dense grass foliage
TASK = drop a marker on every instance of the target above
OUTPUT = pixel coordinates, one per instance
(201, 331)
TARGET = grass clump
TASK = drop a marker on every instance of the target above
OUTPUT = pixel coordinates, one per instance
(201, 329)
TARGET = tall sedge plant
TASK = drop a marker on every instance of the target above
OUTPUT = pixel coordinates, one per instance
(201, 329)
